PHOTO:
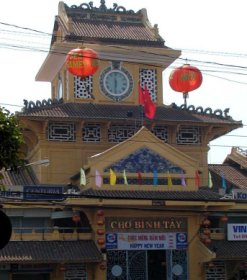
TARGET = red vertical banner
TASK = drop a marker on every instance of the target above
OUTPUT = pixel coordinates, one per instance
(145, 100)
(139, 178)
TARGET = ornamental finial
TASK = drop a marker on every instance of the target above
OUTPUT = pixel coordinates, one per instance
(102, 6)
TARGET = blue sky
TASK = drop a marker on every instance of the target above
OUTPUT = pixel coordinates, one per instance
(211, 35)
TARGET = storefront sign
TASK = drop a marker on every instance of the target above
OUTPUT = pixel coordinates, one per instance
(15, 192)
(146, 241)
(43, 193)
(239, 194)
(75, 272)
(33, 193)
(237, 232)
(146, 224)
(32, 267)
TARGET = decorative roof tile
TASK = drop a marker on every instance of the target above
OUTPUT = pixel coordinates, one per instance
(200, 195)
(233, 176)
(110, 24)
(115, 32)
(238, 158)
(23, 176)
(66, 111)
(50, 252)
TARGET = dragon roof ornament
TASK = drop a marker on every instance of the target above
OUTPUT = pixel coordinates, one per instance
(103, 9)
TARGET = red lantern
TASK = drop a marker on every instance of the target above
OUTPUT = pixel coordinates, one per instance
(76, 217)
(100, 212)
(207, 231)
(100, 231)
(101, 241)
(207, 241)
(224, 219)
(62, 268)
(102, 266)
(184, 79)
(82, 62)
(100, 222)
(206, 222)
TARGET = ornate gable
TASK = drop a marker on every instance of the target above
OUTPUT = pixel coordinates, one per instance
(144, 160)
(140, 158)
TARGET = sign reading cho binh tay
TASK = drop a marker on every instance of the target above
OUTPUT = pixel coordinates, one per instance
(146, 224)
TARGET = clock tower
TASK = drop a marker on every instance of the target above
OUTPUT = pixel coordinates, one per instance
(131, 53)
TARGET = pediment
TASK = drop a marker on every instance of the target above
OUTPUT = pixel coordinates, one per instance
(144, 160)
(144, 153)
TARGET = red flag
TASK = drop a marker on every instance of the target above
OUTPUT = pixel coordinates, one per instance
(145, 100)
(139, 178)
(141, 96)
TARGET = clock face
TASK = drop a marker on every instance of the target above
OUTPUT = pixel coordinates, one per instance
(116, 84)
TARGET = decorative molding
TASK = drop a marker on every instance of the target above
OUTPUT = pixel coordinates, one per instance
(206, 111)
(102, 8)
(29, 105)
(145, 160)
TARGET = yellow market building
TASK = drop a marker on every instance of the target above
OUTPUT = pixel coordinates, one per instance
(124, 197)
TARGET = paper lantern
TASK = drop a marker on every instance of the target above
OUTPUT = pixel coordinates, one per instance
(206, 222)
(76, 217)
(100, 232)
(224, 219)
(102, 266)
(207, 241)
(185, 78)
(100, 222)
(207, 231)
(82, 62)
(101, 241)
(100, 212)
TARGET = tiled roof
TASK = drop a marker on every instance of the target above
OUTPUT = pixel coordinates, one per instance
(65, 111)
(50, 252)
(229, 249)
(200, 195)
(234, 177)
(237, 156)
(115, 25)
(117, 32)
(24, 176)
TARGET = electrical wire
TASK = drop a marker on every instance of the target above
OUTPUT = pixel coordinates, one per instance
(185, 60)
(39, 33)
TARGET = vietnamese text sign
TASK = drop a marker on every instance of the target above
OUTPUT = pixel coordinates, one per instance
(239, 194)
(146, 224)
(43, 192)
(146, 241)
(237, 232)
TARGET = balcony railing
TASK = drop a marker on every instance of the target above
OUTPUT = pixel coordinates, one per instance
(51, 233)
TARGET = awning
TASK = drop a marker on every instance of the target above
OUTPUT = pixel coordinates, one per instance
(84, 251)
(225, 249)
(206, 255)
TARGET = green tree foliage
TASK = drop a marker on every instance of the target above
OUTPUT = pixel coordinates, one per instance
(11, 140)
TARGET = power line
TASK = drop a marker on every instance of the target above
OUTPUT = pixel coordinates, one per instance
(185, 60)
(205, 71)
(25, 28)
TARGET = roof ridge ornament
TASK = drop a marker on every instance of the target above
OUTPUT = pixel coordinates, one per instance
(207, 111)
(102, 5)
(103, 8)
